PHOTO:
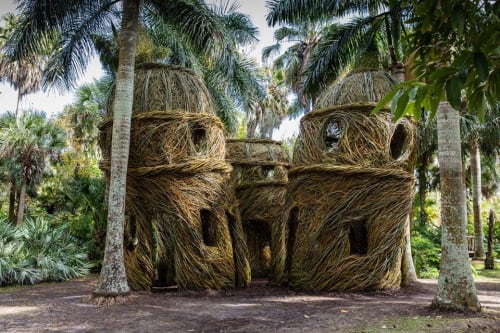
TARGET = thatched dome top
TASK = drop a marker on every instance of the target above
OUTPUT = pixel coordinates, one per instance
(360, 86)
(160, 87)
(260, 151)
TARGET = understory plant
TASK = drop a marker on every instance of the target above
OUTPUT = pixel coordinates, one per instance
(39, 251)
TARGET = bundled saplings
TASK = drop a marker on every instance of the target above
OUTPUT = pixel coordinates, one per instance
(259, 177)
(349, 192)
(183, 224)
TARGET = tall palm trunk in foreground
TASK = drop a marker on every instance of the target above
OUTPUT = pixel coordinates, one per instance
(113, 280)
(456, 288)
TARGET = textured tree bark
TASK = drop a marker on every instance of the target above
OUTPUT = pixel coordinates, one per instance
(489, 262)
(422, 193)
(456, 288)
(113, 281)
(475, 170)
(408, 272)
(20, 207)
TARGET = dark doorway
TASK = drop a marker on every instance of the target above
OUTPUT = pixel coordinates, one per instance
(208, 227)
(358, 237)
(293, 223)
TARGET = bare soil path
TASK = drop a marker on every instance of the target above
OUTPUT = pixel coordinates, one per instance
(64, 307)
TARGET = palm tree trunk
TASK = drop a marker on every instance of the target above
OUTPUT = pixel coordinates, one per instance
(422, 191)
(20, 207)
(475, 170)
(19, 110)
(12, 201)
(408, 272)
(113, 281)
(456, 288)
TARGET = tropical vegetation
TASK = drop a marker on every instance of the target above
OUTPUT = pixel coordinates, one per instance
(54, 225)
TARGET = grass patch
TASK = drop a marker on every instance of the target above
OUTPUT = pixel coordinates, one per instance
(485, 274)
(430, 324)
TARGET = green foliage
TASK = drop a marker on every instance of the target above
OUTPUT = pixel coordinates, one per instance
(74, 196)
(426, 251)
(456, 58)
(39, 251)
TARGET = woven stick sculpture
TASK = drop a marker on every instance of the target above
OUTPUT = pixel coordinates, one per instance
(259, 177)
(349, 193)
(183, 224)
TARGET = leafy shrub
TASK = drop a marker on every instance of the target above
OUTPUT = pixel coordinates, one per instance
(426, 251)
(37, 251)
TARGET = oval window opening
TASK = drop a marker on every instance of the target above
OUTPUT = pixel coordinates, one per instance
(198, 136)
(268, 172)
(398, 142)
(333, 135)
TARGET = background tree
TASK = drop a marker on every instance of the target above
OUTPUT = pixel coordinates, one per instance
(24, 75)
(427, 149)
(479, 138)
(29, 143)
(303, 37)
(269, 112)
(368, 23)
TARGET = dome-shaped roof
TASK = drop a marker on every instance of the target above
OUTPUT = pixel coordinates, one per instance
(160, 87)
(361, 86)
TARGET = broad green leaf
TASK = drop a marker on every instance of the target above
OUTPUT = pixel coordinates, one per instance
(436, 94)
(401, 105)
(384, 101)
(476, 103)
(395, 100)
(462, 60)
(453, 92)
(481, 64)
(413, 92)
(420, 97)
(441, 74)
(410, 109)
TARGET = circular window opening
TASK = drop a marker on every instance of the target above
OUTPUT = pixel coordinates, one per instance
(333, 135)
(399, 142)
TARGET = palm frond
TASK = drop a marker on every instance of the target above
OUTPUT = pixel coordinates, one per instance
(295, 11)
(338, 48)
(71, 35)
(270, 50)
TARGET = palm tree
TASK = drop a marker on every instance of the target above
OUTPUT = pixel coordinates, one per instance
(78, 22)
(269, 112)
(28, 143)
(84, 115)
(375, 22)
(304, 37)
(24, 75)
(426, 150)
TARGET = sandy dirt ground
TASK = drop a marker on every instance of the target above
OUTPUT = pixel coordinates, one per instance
(65, 307)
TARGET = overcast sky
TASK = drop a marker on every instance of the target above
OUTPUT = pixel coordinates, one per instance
(53, 102)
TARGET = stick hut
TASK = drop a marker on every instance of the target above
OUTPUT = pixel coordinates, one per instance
(183, 225)
(259, 176)
(349, 193)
